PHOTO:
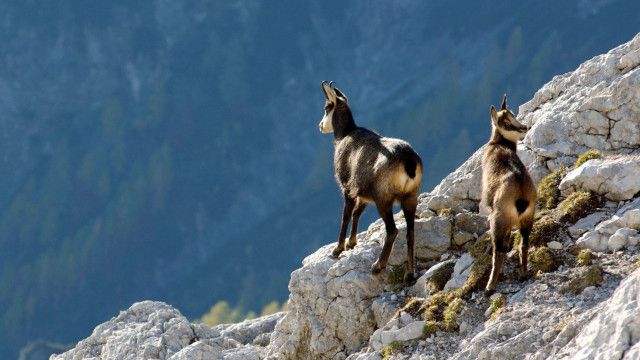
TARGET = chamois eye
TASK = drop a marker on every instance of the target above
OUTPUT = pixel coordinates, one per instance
(328, 107)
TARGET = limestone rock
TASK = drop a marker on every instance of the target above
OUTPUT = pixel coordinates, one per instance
(471, 222)
(247, 331)
(617, 179)
(389, 334)
(462, 186)
(614, 331)
(586, 223)
(460, 272)
(442, 270)
(149, 330)
(384, 308)
(606, 237)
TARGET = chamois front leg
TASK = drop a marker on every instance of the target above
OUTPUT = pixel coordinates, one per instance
(357, 211)
(386, 212)
(500, 229)
(409, 205)
(346, 216)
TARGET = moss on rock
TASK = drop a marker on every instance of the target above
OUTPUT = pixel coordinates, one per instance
(546, 229)
(541, 259)
(586, 156)
(497, 304)
(585, 257)
(430, 327)
(548, 192)
(578, 205)
(590, 277)
(391, 349)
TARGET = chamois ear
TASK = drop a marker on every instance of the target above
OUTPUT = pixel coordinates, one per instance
(341, 95)
(329, 93)
(504, 102)
(494, 114)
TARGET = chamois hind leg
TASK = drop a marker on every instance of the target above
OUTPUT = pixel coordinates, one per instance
(500, 229)
(346, 216)
(525, 229)
(357, 211)
(386, 213)
(409, 205)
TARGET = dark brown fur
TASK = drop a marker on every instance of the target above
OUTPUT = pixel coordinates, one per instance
(371, 169)
(507, 189)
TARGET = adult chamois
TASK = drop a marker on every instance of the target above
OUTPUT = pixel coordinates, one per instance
(371, 169)
(507, 189)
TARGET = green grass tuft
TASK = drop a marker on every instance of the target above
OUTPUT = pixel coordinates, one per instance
(391, 349)
(591, 277)
(585, 257)
(548, 192)
(497, 304)
(586, 156)
(545, 229)
(541, 259)
(430, 328)
(450, 314)
(396, 275)
(446, 212)
(577, 205)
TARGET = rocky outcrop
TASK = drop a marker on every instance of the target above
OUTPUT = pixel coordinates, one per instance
(618, 232)
(580, 307)
(617, 179)
(155, 330)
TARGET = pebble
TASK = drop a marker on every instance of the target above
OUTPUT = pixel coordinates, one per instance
(394, 297)
(554, 245)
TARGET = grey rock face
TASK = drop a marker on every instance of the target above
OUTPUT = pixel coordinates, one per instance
(619, 231)
(616, 179)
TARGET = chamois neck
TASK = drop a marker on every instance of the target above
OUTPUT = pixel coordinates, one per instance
(343, 122)
(498, 140)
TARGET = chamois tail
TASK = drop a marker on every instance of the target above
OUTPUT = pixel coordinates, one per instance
(410, 160)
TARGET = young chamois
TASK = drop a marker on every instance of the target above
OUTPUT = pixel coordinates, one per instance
(507, 189)
(371, 169)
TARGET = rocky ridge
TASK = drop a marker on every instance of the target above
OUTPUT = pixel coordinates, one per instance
(581, 303)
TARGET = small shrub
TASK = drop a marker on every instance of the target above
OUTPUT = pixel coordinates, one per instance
(412, 307)
(586, 156)
(578, 205)
(541, 259)
(430, 328)
(585, 257)
(548, 192)
(396, 275)
(480, 246)
(391, 349)
(591, 277)
(450, 314)
(546, 229)
(446, 212)
(497, 304)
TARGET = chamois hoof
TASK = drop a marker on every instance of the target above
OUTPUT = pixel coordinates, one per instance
(489, 292)
(351, 245)
(336, 251)
(376, 268)
(409, 278)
